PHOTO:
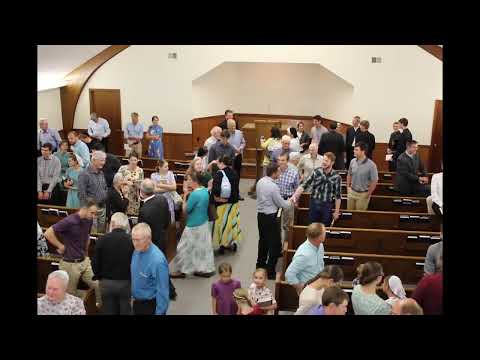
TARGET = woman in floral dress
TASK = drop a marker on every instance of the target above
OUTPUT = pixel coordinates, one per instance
(133, 174)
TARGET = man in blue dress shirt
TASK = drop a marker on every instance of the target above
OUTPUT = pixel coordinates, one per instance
(79, 148)
(134, 135)
(150, 276)
(46, 135)
(99, 129)
(308, 259)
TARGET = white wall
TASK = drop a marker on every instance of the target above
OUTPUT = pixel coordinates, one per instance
(49, 106)
(405, 84)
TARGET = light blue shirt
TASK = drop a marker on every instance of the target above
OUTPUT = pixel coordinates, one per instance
(306, 263)
(48, 136)
(81, 149)
(99, 128)
(134, 131)
(150, 279)
(237, 140)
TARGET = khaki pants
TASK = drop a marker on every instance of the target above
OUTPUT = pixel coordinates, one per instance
(429, 205)
(137, 148)
(357, 201)
(287, 221)
(81, 270)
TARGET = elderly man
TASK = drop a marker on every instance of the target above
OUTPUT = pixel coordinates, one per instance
(351, 137)
(215, 133)
(310, 162)
(56, 301)
(317, 130)
(409, 166)
(79, 148)
(284, 149)
(149, 269)
(111, 266)
(48, 135)
(362, 179)
(406, 307)
(98, 129)
(112, 164)
(221, 148)
(48, 174)
(308, 259)
(117, 197)
(287, 182)
(92, 184)
(134, 135)
(326, 186)
(269, 201)
(74, 230)
(237, 140)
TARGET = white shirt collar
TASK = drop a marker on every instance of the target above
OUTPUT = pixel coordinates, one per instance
(148, 198)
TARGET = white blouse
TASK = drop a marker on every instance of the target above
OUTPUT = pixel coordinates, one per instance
(309, 297)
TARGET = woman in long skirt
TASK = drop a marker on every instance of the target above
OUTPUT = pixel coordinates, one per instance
(226, 232)
(194, 251)
(154, 134)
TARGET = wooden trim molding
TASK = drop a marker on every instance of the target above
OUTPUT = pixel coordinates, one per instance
(435, 50)
(77, 79)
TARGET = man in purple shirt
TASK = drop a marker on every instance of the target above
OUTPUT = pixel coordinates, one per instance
(74, 231)
(334, 302)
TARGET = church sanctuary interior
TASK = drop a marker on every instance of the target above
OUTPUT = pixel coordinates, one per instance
(268, 180)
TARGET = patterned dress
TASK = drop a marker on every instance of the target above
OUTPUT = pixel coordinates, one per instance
(168, 179)
(155, 149)
(136, 178)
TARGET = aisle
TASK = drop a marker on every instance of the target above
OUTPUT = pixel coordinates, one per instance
(194, 292)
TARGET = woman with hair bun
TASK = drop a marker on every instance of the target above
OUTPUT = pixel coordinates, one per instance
(365, 300)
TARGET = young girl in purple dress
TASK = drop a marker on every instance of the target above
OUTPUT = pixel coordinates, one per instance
(222, 292)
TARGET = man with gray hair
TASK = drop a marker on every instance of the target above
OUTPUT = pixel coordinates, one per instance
(98, 129)
(92, 184)
(237, 140)
(56, 301)
(215, 136)
(111, 266)
(48, 135)
(149, 269)
(117, 198)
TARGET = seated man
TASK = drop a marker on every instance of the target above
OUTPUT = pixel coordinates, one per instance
(48, 175)
(411, 179)
(334, 302)
(308, 259)
(56, 301)
(435, 201)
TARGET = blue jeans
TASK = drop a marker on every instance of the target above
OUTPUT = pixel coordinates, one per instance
(321, 211)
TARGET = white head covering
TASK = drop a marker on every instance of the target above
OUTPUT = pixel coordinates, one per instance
(396, 286)
(79, 159)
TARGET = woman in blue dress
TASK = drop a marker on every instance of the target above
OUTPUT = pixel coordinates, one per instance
(71, 183)
(154, 134)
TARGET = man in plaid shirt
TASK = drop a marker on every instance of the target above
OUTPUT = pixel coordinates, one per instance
(326, 186)
(288, 181)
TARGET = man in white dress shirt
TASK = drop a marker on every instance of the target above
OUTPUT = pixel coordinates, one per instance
(435, 201)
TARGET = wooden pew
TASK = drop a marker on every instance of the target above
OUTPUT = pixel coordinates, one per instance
(383, 176)
(151, 163)
(407, 268)
(88, 301)
(383, 189)
(388, 220)
(371, 241)
(287, 298)
(381, 203)
(179, 175)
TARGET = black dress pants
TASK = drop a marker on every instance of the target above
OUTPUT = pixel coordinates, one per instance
(237, 164)
(349, 156)
(144, 307)
(269, 243)
(115, 297)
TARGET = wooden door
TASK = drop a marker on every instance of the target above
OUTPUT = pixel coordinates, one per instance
(436, 145)
(106, 103)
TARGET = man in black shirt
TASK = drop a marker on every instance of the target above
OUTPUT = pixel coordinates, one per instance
(111, 265)
(405, 137)
(333, 142)
(228, 116)
(366, 137)
(392, 145)
(112, 164)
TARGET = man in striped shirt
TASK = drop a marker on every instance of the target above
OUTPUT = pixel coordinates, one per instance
(326, 189)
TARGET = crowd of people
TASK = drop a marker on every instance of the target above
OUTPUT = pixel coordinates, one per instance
(129, 270)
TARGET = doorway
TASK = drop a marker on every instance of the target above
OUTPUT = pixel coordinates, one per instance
(106, 103)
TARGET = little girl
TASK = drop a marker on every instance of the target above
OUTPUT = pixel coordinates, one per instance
(260, 294)
(222, 292)
(392, 286)
(244, 303)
